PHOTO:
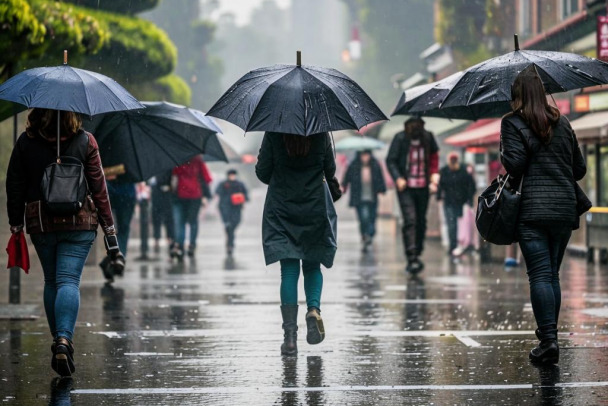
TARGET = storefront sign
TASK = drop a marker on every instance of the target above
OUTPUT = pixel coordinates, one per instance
(591, 102)
(602, 38)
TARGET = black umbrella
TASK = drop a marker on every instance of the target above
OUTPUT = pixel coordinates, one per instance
(484, 90)
(301, 100)
(142, 143)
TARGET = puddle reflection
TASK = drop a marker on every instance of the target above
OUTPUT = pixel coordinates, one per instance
(60, 391)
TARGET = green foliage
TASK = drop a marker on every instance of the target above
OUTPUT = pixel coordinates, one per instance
(118, 6)
(20, 30)
(170, 88)
(137, 50)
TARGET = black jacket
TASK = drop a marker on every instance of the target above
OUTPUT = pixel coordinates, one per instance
(455, 187)
(550, 170)
(399, 153)
(300, 220)
(230, 213)
(353, 178)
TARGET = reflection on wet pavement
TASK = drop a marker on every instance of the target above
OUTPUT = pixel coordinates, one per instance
(208, 332)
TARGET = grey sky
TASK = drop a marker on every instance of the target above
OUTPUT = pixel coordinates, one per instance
(242, 8)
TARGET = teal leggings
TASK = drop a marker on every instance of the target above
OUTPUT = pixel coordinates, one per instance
(313, 282)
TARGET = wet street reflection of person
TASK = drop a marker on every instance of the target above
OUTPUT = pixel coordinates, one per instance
(314, 379)
(60, 391)
(290, 380)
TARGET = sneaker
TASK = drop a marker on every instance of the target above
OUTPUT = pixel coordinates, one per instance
(177, 252)
(191, 251)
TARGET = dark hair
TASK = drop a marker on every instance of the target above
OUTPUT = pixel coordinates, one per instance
(529, 100)
(296, 145)
(43, 122)
(414, 127)
(231, 172)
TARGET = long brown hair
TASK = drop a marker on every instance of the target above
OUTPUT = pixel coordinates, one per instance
(296, 145)
(43, 122)
(529, 100)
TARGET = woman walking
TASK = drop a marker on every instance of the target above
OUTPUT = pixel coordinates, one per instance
(539, 145)
(299, 225)
(62, 242)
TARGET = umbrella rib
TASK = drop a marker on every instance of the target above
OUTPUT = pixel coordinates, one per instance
(133, 145)
(590, 77)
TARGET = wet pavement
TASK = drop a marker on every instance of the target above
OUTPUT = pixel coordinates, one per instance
(208, 331)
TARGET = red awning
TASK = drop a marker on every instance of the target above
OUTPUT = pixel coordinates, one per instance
(481, 133)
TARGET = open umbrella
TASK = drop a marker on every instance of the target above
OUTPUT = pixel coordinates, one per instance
(142, 143)
(298, 99)
(484, 90)
(358, 143)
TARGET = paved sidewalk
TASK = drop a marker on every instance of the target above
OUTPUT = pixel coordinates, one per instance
(208, 331)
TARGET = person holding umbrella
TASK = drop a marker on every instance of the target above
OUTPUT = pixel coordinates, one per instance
(299, 224)
(233, 195)
(540, 149)
(62, 242)
(366, 179)
(413, 162)
(190, 184)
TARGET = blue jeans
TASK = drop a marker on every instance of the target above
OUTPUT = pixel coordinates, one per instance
(452, 213)
(62, 256)
(313, 282)
(367, 212)
(543, 248)
(185, 211)
(123, 200)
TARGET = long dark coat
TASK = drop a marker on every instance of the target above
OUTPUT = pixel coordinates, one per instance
(300, 220)
(230, 213)
(456, 188)
(353, 179)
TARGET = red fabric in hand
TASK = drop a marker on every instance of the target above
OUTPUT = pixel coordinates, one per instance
(18, 255)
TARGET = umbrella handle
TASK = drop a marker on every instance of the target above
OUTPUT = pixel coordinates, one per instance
(65, 56)
(58, 134)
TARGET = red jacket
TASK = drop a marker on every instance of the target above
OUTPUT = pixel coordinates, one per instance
(190, 178)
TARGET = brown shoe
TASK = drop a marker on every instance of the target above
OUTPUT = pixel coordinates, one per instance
(314, 325)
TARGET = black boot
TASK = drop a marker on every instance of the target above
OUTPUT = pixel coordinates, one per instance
(63, 357)
(290, 329)
(314, 325)
(547, 352)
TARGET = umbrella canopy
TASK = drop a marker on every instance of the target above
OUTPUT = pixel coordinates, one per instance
(358, 143)
(301, 100)
(139, 144)
(484, 90)
(68, 89)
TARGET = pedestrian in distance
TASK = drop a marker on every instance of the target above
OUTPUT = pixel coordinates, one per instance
(62, 242)
(299, 223)
(456, 188)
(539, 145)
(365, 178)
(232, 195)
(413, 162)
(190, 184)
(162, 211)
(124, 198)
(143, 196)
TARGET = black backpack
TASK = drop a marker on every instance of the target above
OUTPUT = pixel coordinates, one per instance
(64, 185)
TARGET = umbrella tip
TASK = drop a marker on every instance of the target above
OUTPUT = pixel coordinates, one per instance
(65, 56)
(299, 58)
(516, 41)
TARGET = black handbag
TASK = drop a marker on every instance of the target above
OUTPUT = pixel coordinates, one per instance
(583, 204)
(498, 212)
(334, 189)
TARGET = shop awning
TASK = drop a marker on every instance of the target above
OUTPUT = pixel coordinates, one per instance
(591, 126)
(482, 133)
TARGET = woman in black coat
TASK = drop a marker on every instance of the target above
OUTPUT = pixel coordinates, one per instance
(540, 146)
(366, 180)
(299, 223)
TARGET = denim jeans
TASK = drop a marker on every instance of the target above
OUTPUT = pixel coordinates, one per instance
(543, 248)
(367, 212)
(451, 214)
(313, 282)
(185, 211)
(62, 256)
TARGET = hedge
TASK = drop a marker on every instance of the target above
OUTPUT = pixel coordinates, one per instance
(170, 88)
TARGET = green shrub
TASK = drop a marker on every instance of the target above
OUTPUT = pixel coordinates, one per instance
(20, 30)
(170, 88)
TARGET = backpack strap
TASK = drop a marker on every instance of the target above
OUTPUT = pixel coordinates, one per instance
(78, 147)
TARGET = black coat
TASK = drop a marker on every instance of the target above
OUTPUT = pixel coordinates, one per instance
(399, 153)
(353, 178)
(300, 220)
(231, 214)
(550, 170)
(456, 187)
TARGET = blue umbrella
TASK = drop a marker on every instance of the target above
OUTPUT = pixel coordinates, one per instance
(68, 89)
